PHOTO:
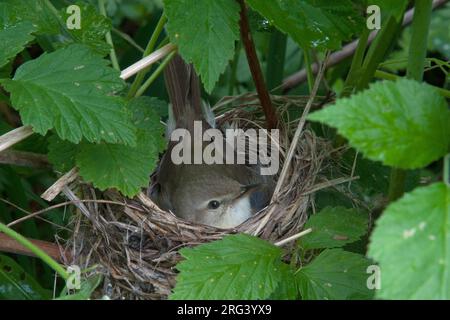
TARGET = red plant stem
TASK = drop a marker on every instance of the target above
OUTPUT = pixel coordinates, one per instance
(255, 68)
(10, 245)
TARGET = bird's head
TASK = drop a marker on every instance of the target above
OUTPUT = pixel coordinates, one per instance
(211, 195)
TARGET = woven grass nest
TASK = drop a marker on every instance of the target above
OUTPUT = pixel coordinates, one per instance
(135, 244)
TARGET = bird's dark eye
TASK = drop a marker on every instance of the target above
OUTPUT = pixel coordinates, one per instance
(214, 204)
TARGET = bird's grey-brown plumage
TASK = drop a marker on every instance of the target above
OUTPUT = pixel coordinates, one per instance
(220, 195)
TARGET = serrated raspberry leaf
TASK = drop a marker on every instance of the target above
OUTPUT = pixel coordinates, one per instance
(405, 124)
(71, 90)
(14, 39)
(205, 32)
(125, 168)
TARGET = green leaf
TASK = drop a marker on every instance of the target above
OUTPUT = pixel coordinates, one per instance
(61, 154)
(411, 244)
(13, 40)
(287, 288)
(94, 27)
(205, 32)
(237, 267)
(404, 124)
(16, 284)
(146, 117)
(5, 72)
(70, 90)
(319, 24)
(123, 167)
(13, 12)
(334, 227)
(335, 274)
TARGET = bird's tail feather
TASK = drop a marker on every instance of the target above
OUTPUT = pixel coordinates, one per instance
(183, 87)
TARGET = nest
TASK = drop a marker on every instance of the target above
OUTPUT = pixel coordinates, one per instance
(135, 244)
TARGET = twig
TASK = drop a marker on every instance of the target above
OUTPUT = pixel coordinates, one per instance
(148, 202)
(328, 184)
(347, 51)
(77, 202)
(14, 136)
(255, 68)
(294, 144)
(59, 185)
(147, 61)
(29, 213)
(128, 39)
(154, 75)
(71, 202)
(10, 245)
(148, 50)
(36, 250)
(24, 159)
(294, 237)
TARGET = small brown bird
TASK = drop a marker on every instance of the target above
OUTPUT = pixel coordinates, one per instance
(219, 195)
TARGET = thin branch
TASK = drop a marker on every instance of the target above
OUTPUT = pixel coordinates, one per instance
(147, 61)
(294, 237)
(347, 51)
(148, 49)
(29, 213)
(14, 136)
(36, 250)
(255, 68)
(63, 204)
(24, 159)
(154, 75)
(8, 244)
(59, 185)
(327, 184)
(128, 39)
(294, 144)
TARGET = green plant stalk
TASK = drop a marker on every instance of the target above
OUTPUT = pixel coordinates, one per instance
(373, 58)
(112, 53)
(275, 60)
(155, 74)
(356, 68)
(233, 69)
(397, 181)
(416, 64)
(163, 42)
(419, 39)
(37, 251)
(148, 49)
(447, 170)
(309, 71)
(128, 39)
(377, 52)
(390, 76)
